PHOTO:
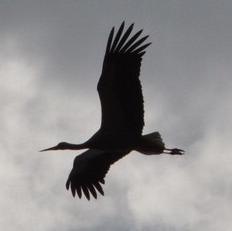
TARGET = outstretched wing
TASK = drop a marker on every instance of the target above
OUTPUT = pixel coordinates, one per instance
(89, 170)
(119, 86)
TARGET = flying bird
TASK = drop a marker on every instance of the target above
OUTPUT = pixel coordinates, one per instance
(122, 121)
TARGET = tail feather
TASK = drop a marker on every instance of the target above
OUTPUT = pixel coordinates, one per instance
(153, 136)
(151, 144)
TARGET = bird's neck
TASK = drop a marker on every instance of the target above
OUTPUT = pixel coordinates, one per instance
(76, 146)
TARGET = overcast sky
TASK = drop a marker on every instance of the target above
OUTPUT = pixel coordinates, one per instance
(50, 61)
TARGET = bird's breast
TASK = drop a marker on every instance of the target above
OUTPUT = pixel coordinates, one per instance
(112, 141)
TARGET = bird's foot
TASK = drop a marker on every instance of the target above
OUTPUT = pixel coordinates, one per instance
(174, 151)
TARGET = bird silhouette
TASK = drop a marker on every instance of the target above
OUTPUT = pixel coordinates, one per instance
(122, 120)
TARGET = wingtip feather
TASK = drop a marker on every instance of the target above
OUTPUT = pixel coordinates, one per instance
(102, 181)
(117, 37)
(141, 49)
(99, 188)
(136, 44)
(86, 192)
(67, 184)
(110, 38)
(73, 190)
(92, 190)
(124, 38)
(79, 193)
(131, 40)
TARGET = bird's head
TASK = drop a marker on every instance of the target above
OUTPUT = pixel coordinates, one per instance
(60, 146)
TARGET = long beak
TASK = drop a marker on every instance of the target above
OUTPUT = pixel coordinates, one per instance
(49, 149)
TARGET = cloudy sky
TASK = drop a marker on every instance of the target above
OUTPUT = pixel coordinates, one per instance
(50, 62)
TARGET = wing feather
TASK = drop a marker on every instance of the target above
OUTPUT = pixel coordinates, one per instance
(138, 43)
(130, 42)
(89, 170)
(140, 49)
(125, 37)
(117, 37)
(119, 86)
(108, 46)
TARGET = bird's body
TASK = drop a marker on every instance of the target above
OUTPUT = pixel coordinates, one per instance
(122, 122)
(147, 144)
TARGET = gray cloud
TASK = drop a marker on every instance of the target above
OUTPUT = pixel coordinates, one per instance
(50, 62)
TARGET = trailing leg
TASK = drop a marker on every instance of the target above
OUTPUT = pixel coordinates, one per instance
(173, 151)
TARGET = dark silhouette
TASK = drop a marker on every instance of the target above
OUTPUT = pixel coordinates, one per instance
(122, 121)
